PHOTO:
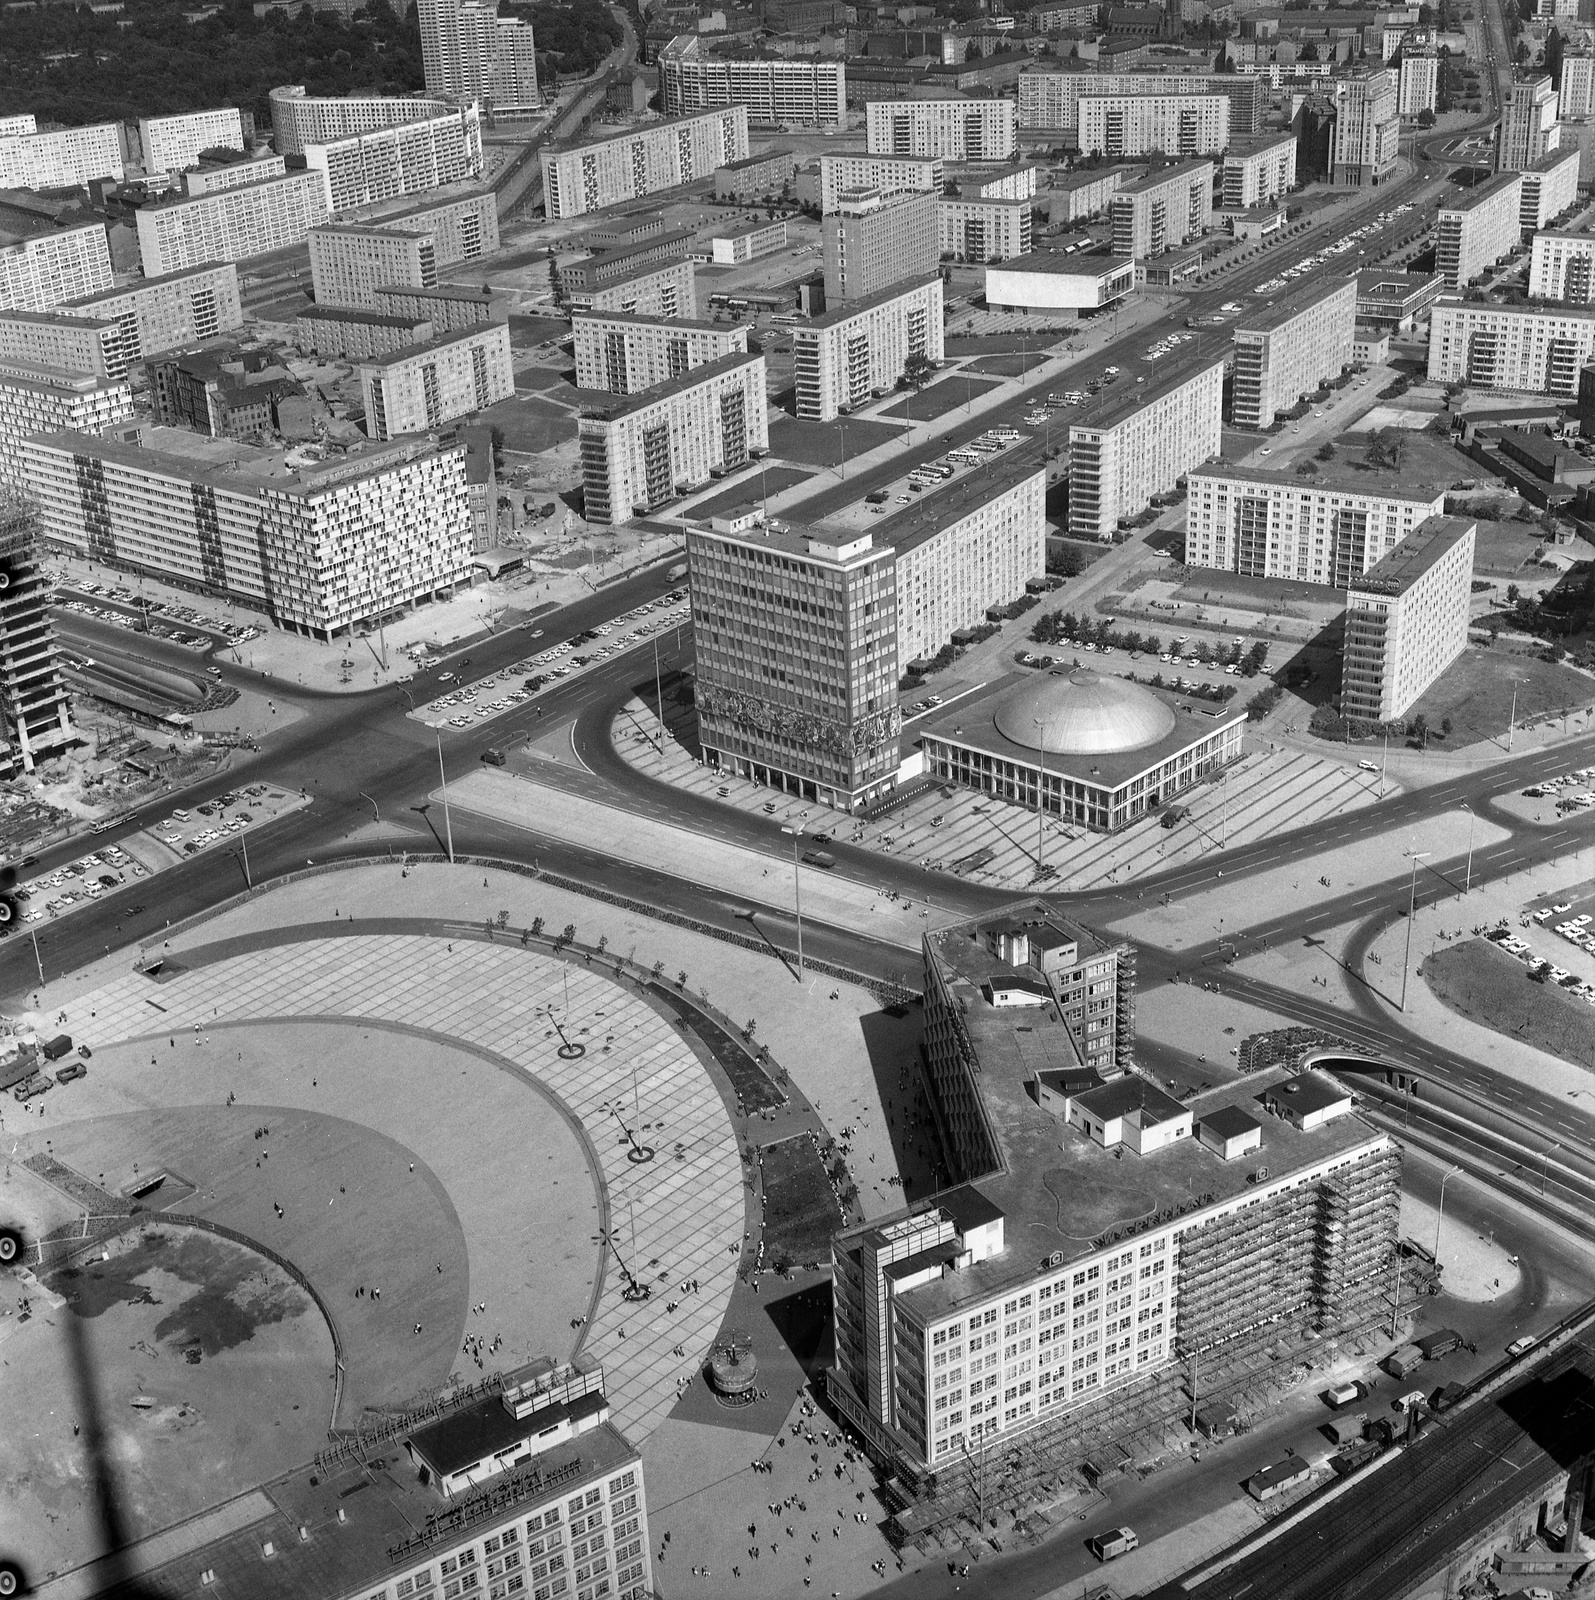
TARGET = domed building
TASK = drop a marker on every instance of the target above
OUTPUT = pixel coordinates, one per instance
(1101, 750)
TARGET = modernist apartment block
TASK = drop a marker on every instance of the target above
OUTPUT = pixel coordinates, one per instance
(1135, 445)
(886, 175)
(1076, 196)
(1550, 186)
(365, 168)
(35, 711)
(673, 438)
(756, 176)
(1562, 267)
(870, 242)
(162, 313)
(984, 230)
(214, 174)
(48, 399)
(978, 182)
(1162, 211)
(1051, 100)
(1367, 133)
(448, 307)
(318, 547)
(629, 354)
(336, 333)
(1008, 1302)
(581, 178)
(95, 346)
(1510, 347)
(802, 631)
(1528, 127)
(1419, 86)
(1272, 525)
(172, 143)
(39, 273)
(231, 225)
(350, 263)
(1576, 102)
(953, 129)
(1407, 620)
(1135, 124)
(299, 120)
(66, 158)
(773, 90)
(463, 228)
(749, 242)
(426, 385)
(1289, 348)
(1049, 282)
(665, 290)
(848, 355)
(470, 52)
(1257, 172)
(1479, 228)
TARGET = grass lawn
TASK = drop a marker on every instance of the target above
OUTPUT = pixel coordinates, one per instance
(1207, 586)
(986, 344)
(531, 424)
(1485, 984)
(1500, 549)
(1475, 691)
(1008, 366)
(750, 491)
(800, 1211)
(821, 444)
(938, 399)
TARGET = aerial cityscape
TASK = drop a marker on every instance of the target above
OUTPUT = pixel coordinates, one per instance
(872, 726)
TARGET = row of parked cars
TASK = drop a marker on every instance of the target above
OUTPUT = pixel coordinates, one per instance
(84, 879)
(1575, 932)
(1550, 787)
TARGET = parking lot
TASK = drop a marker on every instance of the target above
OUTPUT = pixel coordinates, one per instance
(1319, 257)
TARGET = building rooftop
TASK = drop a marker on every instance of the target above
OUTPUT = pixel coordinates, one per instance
(439, 291)
(1125, 730)
(1559, 310)
(690, 379)
(1108, 410)
(173, 200)
(1482, 192)
(1395, 286)
(853, 308)
(1552, 159)
(747, 228)
(40, 379)
(755, 161)
(357, 314)
(1063, 182)
(629, 133)
(1270, 318)
(1378, 485)
(1251, 144)
(1425, 545)
(413, 352)
(1058, 265)
(1127, 1094)
(637, 320)
(1155, 180)
(1310, 1092)
(487, 1428)
(1230, 1122)
(144, 284)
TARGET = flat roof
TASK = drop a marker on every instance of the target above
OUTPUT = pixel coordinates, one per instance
(1480, 192)
(1560, 311)
(410, 352)
(1381, 485)
(1054, 264)
(1229, 1122)
(636, 319)
(1110, 409)
(356, 314)
(755, 161)
(1265, 319)
(750, 228)
(1251, 144)
(1425, 545)
(1553, 159)
(661, 391)
(1082, 180)
(146, 284)
(1132, 1093)
(1385, 285)
(1154, 180)
(486, 1428)
(56, 319)
(895, 291)
(565, 145)
(1312, 1091)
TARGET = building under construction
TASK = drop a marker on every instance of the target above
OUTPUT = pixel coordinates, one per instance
(34, 707)
(1106, 1241)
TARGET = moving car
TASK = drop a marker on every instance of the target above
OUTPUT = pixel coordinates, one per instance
(1115, 1542)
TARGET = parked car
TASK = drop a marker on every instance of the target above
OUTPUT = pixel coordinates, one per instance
(1115, 1542)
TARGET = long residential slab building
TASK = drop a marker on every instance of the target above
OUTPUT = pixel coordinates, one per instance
(232, 224)
(1257, 172)
(299, 120)
(886, 175)
(421, 386)
(1138, 441)
(849, 355)
(1051, 100)
(627, 354)
(1162, 211)
(171, 143)
(64, 158)
(1286, 350)
(1478, 229)
(1535, 349)
(1265, 524)
(1134, 124)
(364, 169)
(1562, 267)
(587, 177)
(774, 90)
(160, 314)
(952, 129)
(39, 273)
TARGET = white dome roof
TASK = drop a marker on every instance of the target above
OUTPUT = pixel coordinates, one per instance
(1083, 713)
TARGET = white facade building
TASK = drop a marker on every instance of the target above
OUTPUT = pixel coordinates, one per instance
(470, 52)
(1273, 525)
(625, 166)
(161, 314)
(91, 345)
(319, 548)
(1134, 125)
(953, 129)
(808, 91)
(665, 290)
(1287, 349)
(1048, 282)
(887, 175)
(392, 162)
(628, 354)
(1367, 133)
(1420, 82)
(1132, 446)
(172, 143)
(1562, 267)
(1550, 187)
(1576, 102)
(1257, 172)
(48, 399)
(423, 386)
(672, 439)
(1478, 229)
(299, 119)
(984, 230)
(1051, 100)
(39, 273)
(66, 158)
(232, 174)
(231, 225)
(847, 356)
(1526, 348)
(1162, 211)
(1528, 127)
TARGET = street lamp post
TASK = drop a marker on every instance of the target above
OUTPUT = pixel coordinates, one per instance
(448, 827)
(1041, 800)
(797, 893)
(1511, 721)
(1467, 881)
(1440, 1212)
(1412, 911)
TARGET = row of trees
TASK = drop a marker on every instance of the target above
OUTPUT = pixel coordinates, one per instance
(1064, 627)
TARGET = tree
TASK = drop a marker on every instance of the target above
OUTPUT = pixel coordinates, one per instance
(1326, 451)
(1306, 469)
(1512, 594)
(918, 369)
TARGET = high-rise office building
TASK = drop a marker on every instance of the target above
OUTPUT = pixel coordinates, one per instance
(64, 158)
(693, 76)
(863, 347)
(162, 313)
(952, 129)
(1273, 525)
(1051, 99)
(1287, 349)
(35, 713)
(1367, 133)
(362, 169)
(1138, 124)
(232, 224)
(985, 230)
(1420, 81)
(629, 354)
(1478, 228)
(39, 273)
(667, 441)
(578, 178)
(1134, 444)
(1528, 127)
(469, 52)
(1163, 210)
(802, 632)
(1406, 620)
(1550, 187)
(871, 242)
(319, 547)
(1258, 171)
(299, 119)
(172, 143)
(1533, 348)
(426, 385)
(886, 175)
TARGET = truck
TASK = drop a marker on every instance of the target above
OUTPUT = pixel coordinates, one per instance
(1346, 1430)
(1115, 1542)
(1173, 816)
(819, 858)
(1441, 1343)
(57, 1047)
(676, 573)
(876, 497)
(494, 757)
(1407, 1359)
(1342, 1394)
